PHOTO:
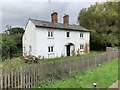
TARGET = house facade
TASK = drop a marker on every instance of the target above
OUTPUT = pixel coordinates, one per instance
(53, 39)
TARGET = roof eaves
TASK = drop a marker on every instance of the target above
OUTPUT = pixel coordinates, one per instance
(62, 28)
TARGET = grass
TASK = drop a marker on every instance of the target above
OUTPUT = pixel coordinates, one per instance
(103, 75)
(70, 57)
(16, 62)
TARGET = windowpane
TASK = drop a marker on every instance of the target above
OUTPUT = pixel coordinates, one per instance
(81, 46)
(68, 34)
(81, 34)
(51, 49)
(48, 34)
(48, 49)
(30, 49)
(51, 34)
(24, 49)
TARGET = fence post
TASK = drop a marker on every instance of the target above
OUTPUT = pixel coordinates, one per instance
(1, 78)
(95, 60)
(69, 64)
(21, 77)
(9, 78)
(15, 76)
(29, 77)
(5, 81)
(18, 70)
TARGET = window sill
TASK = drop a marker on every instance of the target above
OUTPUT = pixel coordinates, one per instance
(50, 37)
(81, 38)
(81, 50)
(51, 53)
(68, 37)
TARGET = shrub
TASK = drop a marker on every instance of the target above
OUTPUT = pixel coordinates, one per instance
(78, 52)
(31, 59)
(73, 52)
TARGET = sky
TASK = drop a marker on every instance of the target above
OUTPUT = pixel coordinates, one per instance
(17, 12)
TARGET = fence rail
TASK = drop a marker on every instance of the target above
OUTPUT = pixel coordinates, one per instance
(25, 77)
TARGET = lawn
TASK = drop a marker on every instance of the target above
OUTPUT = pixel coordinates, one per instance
(17, 62)
(103, 75)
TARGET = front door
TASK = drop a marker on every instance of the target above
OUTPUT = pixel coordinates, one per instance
(68, 50)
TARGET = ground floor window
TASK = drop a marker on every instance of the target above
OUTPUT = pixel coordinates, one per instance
(81, 46)
(50, 49)
(30, 48)
(24, 49)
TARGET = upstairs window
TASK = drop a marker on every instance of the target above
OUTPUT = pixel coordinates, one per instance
(50, 49)
(68, 34)
(81, 35)
(81, 46)
(50, 33)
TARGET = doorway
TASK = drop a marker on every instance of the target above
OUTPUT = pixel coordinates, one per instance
(68, 50)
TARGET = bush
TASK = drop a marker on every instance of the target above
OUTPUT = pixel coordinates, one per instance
(31, 59)
(12, 43)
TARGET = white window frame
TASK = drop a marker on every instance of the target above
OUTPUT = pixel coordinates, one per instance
(68, 34)
(50, 34)
(50, 49)
(81, 46)
(81, 35)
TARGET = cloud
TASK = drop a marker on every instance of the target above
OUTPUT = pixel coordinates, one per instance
(18, 12)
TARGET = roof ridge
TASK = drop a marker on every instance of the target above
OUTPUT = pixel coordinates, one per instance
(50, 22)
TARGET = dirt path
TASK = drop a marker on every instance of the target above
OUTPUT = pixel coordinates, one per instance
(115, 85)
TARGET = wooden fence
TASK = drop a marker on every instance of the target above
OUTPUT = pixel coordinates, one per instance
(25, 77)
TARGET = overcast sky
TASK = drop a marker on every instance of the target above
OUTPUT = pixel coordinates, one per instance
(17, 12)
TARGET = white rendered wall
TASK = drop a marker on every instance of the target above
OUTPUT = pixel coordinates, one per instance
(58, 41)
(29, 38)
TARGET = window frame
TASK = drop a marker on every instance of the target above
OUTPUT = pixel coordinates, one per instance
(50, 34)
(50, 49)
(81, 46)
(68, 34)
(30, 48)
(81, 35)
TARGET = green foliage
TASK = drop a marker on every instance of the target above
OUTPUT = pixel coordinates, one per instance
(102, 19)
(13, 63)
(8, 46)
(12, 43)
(16, 30)
(104, 75)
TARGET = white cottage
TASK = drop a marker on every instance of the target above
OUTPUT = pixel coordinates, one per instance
(53, 39)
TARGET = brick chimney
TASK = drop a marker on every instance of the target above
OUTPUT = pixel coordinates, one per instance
(54, 17)
(66, 19)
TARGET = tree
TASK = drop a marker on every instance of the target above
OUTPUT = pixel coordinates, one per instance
(102, 19)
(16, 30)
(12, 42)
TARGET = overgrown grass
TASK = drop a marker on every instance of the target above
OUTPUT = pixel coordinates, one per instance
(70, 57)
(12, 63)
(16, 62)
(104, 75)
